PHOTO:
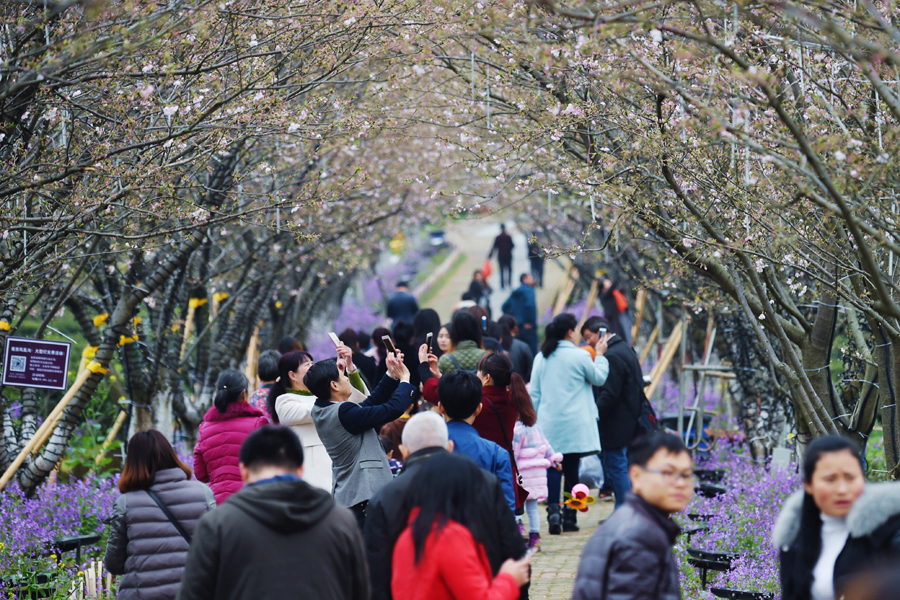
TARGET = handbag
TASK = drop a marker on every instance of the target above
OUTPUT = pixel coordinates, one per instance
(170, 516)
(522, 494)
(646, 419)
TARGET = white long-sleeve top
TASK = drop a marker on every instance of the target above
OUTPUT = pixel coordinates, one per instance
(834, 536)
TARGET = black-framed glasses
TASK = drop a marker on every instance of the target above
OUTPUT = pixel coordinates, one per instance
(672, 476)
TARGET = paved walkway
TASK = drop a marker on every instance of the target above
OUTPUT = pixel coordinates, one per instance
(554, 567)
(474, 238)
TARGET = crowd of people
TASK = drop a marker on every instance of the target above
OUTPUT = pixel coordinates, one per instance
(404, 468)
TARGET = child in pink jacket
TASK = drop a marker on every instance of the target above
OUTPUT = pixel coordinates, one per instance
(533, 457)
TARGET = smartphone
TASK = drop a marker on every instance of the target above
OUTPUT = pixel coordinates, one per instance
(602, 331)
(428, 338)
(334, 339)
(484, 323)
(532, 551)
(388, 343)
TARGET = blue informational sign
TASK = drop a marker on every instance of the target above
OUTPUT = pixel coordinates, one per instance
(36, 363)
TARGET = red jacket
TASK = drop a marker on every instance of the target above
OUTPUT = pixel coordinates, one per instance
(487, 424)
(453, 566)
(219, 444)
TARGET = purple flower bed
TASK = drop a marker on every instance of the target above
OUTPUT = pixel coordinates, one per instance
(58, 510)
(740, 521)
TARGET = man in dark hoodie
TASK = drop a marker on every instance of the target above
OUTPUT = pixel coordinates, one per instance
(278, 537)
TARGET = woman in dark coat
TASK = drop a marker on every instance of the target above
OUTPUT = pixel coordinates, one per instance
(837, 526)
(144, 544)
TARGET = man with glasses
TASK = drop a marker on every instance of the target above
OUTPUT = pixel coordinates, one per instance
(630, 555)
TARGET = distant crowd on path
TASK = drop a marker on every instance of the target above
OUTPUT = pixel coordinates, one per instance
(404, 471)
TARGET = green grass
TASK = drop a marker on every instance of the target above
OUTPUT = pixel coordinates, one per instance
(434, 290)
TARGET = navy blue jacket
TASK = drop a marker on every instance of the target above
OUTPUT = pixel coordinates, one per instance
(486, 454)
(522, 305)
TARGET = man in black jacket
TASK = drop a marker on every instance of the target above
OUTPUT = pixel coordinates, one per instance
(618, 405)
(630, 556)
(425, 436)
(278, 537)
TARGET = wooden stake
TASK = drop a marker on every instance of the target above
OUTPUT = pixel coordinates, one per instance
(566, 291)
(639, 305)
(252, 358)
(46, 429)
(111, 436)
(188, 323)
(592, 297)
(649, 346)
(659, 369)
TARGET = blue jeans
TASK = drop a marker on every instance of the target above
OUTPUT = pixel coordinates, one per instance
(615, 471)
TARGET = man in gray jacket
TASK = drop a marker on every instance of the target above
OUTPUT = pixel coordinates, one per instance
(349, 431)
(278, 537)
(630, 557)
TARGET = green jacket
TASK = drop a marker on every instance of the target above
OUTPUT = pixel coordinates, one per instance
(467, 354)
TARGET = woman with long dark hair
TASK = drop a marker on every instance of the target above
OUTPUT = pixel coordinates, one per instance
(427, 321)
(561, 381)
(519, 352)
(224, 428)
(837, 526)
(380, 350)
(504, 400)
(143, 544)
(440, 554)
(290, 403)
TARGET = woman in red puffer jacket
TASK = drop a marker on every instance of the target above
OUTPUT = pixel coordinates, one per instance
(224, 428)
(440, 555)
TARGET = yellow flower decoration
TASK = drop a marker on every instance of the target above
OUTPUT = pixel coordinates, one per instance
(5, 326)
(218, 297)
(195, 302)
(580, 503)
(278, 304)
(95, 367)
(136, 321)
(90, 351)
(127, 340)
(100, 319)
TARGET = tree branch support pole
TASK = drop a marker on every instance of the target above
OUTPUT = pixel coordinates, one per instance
(46, 429)
(120, 420)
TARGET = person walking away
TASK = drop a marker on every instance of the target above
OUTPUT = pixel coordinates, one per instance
(225, 426)
(837, 526)
(503, 246)
(536, 258)
(402, 306)
(267, 373)
(466, 344)
(366, 365)
(483, 316)
(522, 306)
(504, 400)
(615, 309)
(424, 438)
(534, 456)
(279, 537)
(459, 393)
(441, 555)
(349, 431)
(290, 403)
(561, 381)
(146, 545)
(630, 554)
(519, 352)
(479, 291)
(618, 405)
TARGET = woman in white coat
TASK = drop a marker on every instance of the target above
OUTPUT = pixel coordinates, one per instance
(290, 404)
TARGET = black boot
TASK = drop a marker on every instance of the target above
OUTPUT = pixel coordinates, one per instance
(569, 519)
(553, 519)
